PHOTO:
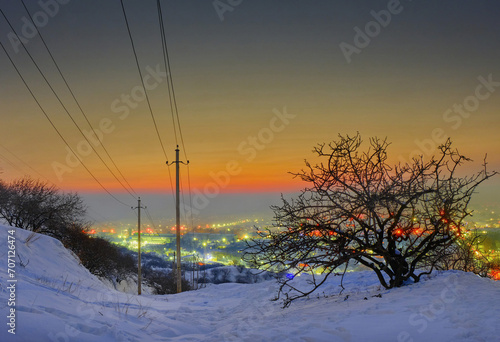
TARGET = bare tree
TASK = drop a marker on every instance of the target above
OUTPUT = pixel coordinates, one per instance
(464, 255)
(358, 209)
(39, 207)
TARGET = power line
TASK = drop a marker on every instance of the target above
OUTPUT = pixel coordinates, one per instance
(103, 218)
(74, 97)
(190, 198)
(183, 199)
(171, 94)
(63, 106)
(142, 79)
(148, 214)
(170, 81)
(26, 164)
(190, 210)
(146, 93)
(52, 124)
(11, 163)
(164, 51)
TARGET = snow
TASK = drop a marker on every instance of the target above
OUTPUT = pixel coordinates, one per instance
(59, 300)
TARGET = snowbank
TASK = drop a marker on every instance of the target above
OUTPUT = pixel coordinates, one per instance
(58, 300)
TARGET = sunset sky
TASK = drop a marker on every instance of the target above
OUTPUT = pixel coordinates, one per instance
(258, 84)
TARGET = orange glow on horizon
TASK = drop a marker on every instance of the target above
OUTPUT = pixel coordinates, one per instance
(202, 185)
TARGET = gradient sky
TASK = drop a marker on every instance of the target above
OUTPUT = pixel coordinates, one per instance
(231, 77)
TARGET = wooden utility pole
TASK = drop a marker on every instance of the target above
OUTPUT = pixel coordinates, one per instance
(178, 218)
(139, 272)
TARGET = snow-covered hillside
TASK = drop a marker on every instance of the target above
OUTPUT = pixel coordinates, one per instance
(58, 300)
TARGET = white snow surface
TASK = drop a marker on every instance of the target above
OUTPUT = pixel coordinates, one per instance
(59, 300)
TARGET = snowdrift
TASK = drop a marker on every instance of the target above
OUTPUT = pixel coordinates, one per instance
(59, 300)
